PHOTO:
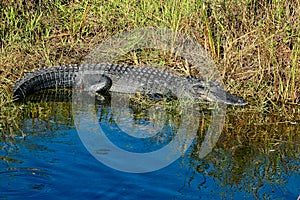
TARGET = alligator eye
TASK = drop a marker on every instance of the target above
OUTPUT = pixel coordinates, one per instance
(198, 87)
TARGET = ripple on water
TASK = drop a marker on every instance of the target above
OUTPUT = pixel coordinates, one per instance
(20, 182)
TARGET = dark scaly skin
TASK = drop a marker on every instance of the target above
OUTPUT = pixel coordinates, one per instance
(124, 79)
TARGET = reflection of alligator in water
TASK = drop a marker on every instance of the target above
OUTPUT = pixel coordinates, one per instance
(125, 79)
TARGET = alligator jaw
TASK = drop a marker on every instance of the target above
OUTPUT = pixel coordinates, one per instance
(232, 99)
(226, 98)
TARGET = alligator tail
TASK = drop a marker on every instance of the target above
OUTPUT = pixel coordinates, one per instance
(54, 77)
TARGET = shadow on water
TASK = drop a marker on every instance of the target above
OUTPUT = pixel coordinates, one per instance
(256, 156)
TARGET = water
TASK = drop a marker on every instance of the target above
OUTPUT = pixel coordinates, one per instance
(49, 161)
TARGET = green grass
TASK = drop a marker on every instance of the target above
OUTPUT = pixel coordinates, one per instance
(255, 44)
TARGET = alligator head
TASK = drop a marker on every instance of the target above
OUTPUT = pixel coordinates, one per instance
(212, 91)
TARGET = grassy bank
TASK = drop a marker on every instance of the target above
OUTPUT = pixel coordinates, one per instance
(255, 44)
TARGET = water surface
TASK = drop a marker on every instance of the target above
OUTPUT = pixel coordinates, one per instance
(46, 159)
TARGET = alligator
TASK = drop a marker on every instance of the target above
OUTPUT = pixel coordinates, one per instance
(101, 78)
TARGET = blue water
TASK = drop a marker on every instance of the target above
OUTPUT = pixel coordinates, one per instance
(51, 162)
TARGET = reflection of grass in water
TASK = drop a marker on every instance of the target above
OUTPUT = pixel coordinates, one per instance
(48, 105)
(55, 111)
(255, 149)
(54, 115)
